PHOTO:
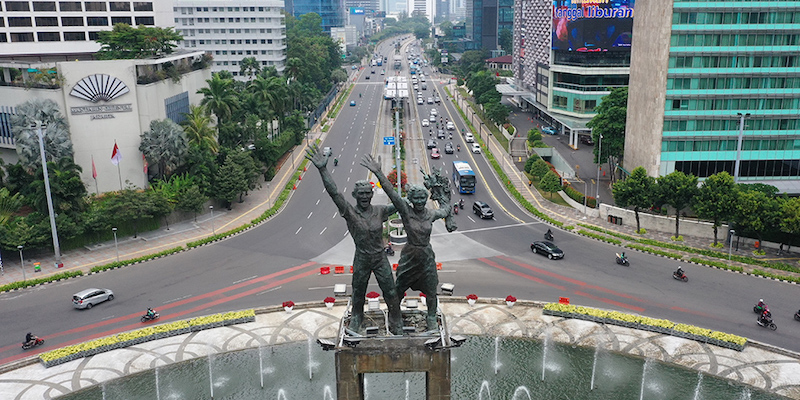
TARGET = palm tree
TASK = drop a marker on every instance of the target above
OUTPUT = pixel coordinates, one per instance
(57, 143)
(197, 127)
(249, 67)
(293, 69)
(219, 98)
(164, 145)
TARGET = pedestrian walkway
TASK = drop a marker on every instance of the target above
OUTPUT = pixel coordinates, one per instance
(764, 367)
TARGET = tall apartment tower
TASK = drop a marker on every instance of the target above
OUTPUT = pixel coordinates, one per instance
(698, 72)
(232, 30)
(533, 22)
(50, 28)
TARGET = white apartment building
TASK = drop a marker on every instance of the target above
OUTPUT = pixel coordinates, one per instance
(233, 29)
(424, 7)
(70, 27)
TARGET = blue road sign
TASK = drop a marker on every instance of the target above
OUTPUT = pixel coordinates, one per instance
(388, 140)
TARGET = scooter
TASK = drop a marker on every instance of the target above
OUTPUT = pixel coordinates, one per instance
(623, 261)
(548, 236)
(682, 277)
(455, 209)
(797, 315)
(388, 250)
(147, 317)
(38, 342)
(771, 325)
(461, 204)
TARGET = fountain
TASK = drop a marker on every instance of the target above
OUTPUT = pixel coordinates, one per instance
(485, 385)
(497, 364)
(594, 366)
(697, 388)
(521, 389)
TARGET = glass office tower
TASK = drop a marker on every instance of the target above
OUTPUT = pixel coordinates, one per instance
(332, 11)
(696, 75)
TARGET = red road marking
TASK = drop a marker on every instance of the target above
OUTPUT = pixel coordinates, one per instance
(520, 274)
(220, 298)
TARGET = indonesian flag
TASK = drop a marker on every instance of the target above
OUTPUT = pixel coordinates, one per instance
(145, 163)
(94, 169)
(116, 155)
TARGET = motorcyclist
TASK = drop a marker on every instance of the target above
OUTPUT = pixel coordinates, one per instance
(30, 339)
(455, 208)
(766, 316)
(359, 95)
(150, 313)
(549, 234)
(335, 162)
(761, 305)
(622, 256)
(458, 147)
(461, 203)
(679, 272)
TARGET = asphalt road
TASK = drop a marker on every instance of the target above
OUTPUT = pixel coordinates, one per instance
(280, 260)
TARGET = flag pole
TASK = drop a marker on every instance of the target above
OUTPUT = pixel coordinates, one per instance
(119, 173)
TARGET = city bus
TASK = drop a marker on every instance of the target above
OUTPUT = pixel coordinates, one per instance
(463, 177)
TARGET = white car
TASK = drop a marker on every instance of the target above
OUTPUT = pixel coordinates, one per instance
(419, 100)
(433, 110)
(476, 148)
(450, 126)
(425, 122)
(430, 100)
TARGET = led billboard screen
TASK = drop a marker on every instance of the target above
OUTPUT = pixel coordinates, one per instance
(592, 25)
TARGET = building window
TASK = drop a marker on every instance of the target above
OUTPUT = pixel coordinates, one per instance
(17, 6)
(120, 20)
(19, 21)
(94, 35)
(95, 6)
(70, 6)
(44, 6)
(119, 5)
(97, 21)
(177, 107)
(22, 37)
(46, 21)
(49, 37)
(145, 21)
(3, 37)
(74, 36)
(71, 21)
(142, 6)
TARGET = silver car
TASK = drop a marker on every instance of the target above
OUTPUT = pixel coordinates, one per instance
(89, 297)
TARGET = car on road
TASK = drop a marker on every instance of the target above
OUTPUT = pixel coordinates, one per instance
(431, 143)
(367, 78)
(434, 111)
(89, 297)
(450, 125)
(425, 122)
(326, 151)
(372, 72)
(352, 103)
(440, 134)
(437, 100)
(548, 249)
(416, 87)
(448, 148)
(587, 140)
(549, 130)
(430, 100)
(482, 210)
(476, 148)
(435, 153)
(383, 72)
(468, 137)
(419, 100)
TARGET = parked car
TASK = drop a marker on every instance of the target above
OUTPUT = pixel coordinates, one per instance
(476, 148)
(431, 143)
(425, 122)
(448, 148)
(352, 103)
(587, 140)
(482, 210)
(435, 153)
(549, 130)
(547, 249)
(89, 297)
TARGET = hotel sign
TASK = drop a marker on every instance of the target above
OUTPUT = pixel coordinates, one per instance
(99, 87)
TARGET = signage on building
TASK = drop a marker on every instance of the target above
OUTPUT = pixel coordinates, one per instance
(96, 88)
(592, 25)
(356, 11)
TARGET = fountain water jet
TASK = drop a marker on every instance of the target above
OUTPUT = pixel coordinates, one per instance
(406, 389)
(644, 377)
(327, 393)
(521, 389)
(544, 353)
(697, 388)
(281, 394)
(158, 389)
(484, 384)
(594, 365)
(261, 365)
(310, 360)
(210, 373)
(497, 363)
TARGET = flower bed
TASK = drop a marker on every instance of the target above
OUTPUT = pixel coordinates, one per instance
(125, 339)
(664, 326)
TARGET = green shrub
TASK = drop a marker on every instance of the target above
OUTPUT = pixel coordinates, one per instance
(774, 276)
(642, 231)
(37, 281)
(654, 251)
(718, 245)
(759, 252)
(600, 237)
(718, 264)
(569, 228)
(676, 239)
(607, 232)
(147, 257)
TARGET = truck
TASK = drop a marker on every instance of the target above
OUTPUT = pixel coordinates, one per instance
(398, 61)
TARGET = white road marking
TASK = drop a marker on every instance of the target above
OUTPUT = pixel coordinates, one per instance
(335, 214)
(269, 290)
(298, 230)
(318, 202)
(245, 279)
(323, 230)
(309, 215)
(179, 298)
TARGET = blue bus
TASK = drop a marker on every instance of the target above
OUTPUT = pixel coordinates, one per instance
(463, 177)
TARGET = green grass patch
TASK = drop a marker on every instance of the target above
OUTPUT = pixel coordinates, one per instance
(599, 237)
(718, 264)
(608, 232)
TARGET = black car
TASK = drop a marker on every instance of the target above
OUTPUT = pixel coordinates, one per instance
(431, 143)
(482, 210)
(448, 148)
(440, 134)
(587, 140)
(547, 248)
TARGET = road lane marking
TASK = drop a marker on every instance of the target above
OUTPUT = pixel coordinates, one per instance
(184, 297)
(323, 230)
(268, 290)
(240, 281)
(317, 203)
(335, 214)
(298, 230)
(309, 215)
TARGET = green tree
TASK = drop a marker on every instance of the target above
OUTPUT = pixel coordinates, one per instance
(249, 67)
(791, 217)
(9, 204)
(230, 182)
(197, 127)
(551, 183)
(68, 192)
(540, 168)
(636, 191)
(132, 206)
(57, 143)
(756, 213)
(422, 32)
(191, 200)
(338, 75)
(534, 135)
(219, 98)
(18, 232)
(125, 42)
(610, 123)
(677, 189)
(447, 29)
(716, 199)
(164, 145)
(251, 169)
(471, 62)
(497, 112)
(506, 40)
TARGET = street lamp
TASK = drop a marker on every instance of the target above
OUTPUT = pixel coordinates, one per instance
(730, 247)
(116, 248)
(739, 146)
(213, 230)
(22, 263)
(56, 247)
(599, 163)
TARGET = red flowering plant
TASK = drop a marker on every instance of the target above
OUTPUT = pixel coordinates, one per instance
(511, 298)
(288, 303)
(472, 296)
(330, 300)
(373, 295)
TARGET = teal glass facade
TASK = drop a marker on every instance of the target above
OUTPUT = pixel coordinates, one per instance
(725, 58)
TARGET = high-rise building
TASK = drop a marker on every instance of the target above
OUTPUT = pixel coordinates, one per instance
(426, 8)
(485, 19)
(331, 11)
(53, 28)
(233, 30)
(366, 5)
(701, 72)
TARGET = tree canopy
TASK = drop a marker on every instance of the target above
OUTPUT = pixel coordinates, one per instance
(610, 123)
(125, 42)
(636, 191)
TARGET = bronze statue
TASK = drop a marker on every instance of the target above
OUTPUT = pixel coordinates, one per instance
(417, 266)
(365, 223)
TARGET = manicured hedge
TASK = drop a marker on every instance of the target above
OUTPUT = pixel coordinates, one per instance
(37, 281)
(608, 232)
(122, 263)
(599, 237)
(654, 251)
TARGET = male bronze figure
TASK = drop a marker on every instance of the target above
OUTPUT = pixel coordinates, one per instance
(365, 223)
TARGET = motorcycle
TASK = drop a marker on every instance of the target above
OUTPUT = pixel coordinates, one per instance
(38, 342)
(623, 261)
(771, 325)
(759, 309)
(458, 147)
(548, 236)
(389, 250)
(797, 315)
(461, 204)
(455, 208)
(681, 277)
(148, 317)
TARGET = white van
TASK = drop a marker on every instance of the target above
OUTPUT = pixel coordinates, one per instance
(468, 137)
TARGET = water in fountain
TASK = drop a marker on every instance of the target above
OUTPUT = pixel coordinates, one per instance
(407, 389)
(485, 385)
(594, 365)
(644, 377)
(697, 388)
(327, 393)
(210, 372)
(261, 365)
(311, 363)
(158, 391)
(746, 394)
(519, 391)
(496, 351)
(281, 394)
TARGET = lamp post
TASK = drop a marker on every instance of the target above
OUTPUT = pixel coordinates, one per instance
(269, 196)
(730, 246)
(599, 163)
(213, 230)
(56, 247)
(22, 263)
(739, 146)
(116, 247)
